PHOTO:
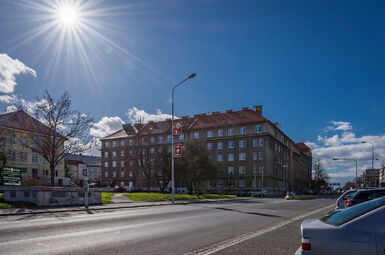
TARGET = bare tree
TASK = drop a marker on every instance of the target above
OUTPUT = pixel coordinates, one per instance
(146, 163)
(162, 173)
(320, 176)
(64, 131)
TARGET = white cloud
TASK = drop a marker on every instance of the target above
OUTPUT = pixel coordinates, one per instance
(9, 99)
(106, 126)
(11, 108)
(347, 145)
(135, 115)
(8, 69)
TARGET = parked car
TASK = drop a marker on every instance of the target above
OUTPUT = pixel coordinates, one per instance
(257, 193)
(356, 230)
(239, 193)
(345, 196)
(363, 195)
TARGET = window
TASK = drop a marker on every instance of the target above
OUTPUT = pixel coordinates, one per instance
(230, 157)
(209, 146)
(105, 164)
(261, 142)
(23, 140)
(255, 142)
(56, 173)
(114, 174)
(34, 173)
(231, 144)
(255, 155)
(230, 170)
(130, 142)
(113, 163)
(261, 155)
(121, 173)
(196, 135)
(152, 139)
(130, 173)
(122, 183)
(131, 163)
(242, 169)
(220, 157)
(220, 132)
(24, 170)
(160, 138)
(23, 156)
(209, 133)
(11, 139)
(144, 152)
(261, 169)
(242, 130)
(242, 183)
(230, 131)
(114, 154)
(121, 142)
(219, 183)
(131, 152)
(35, 158)
(220, 146)
(152, 150)
(242, 143)
(181, 137)
(142, 140)
(242, 156)
(106, 154)
(258, 129)
(106, 144)
(122, 163)
(113, 143)
(122, 153)
(106, 174)
(169, 138)
(11, 155)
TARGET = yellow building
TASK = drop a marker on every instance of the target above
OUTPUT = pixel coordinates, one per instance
(16, 142)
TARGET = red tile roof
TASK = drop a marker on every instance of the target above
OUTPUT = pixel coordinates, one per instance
(23, 121)
(303, 147)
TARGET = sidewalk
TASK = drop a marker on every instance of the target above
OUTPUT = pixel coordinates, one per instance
(116, 205)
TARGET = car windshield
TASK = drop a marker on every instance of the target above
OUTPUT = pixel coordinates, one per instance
(338, 218)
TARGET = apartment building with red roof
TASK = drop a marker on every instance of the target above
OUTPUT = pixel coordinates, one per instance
(249, 151)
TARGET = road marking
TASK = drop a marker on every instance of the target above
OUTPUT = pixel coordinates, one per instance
(241, 238)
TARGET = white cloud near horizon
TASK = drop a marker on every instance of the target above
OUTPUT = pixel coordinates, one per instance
(106, 126)
(8, 69)
(347, 145)
(140, 116)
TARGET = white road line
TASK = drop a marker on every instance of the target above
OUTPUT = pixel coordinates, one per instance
(241, 238)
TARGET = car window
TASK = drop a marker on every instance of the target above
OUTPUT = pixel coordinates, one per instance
(362, 195)
(338, 218)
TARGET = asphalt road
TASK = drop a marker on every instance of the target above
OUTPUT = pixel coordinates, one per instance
(253, 226)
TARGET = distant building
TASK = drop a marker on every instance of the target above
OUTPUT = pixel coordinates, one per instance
(382, 177)
(372, 177)
(14, 136)
(248, 150)
(76, 163)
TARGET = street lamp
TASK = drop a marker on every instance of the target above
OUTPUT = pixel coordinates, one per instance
(349, 160)
(172, 137)
(372, 152)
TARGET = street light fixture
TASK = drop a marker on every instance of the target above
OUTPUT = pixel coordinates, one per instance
(172, 137)
(372, 152)
(349, 160)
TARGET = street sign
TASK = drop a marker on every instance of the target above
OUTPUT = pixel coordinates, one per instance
(177, 150)
(85, 172)
(10, 176)
(178, 127)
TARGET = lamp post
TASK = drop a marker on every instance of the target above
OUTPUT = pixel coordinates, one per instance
(372, 152)
(172, 137)
(349, 160)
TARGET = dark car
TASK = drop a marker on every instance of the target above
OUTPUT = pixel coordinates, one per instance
(361, 196)
(239, 193)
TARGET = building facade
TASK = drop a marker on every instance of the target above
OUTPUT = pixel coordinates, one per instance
(35, 169)
(76, 164)
(249, 151)
(372, 177)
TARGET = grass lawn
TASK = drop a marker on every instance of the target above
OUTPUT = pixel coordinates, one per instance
(164, 197)
(106, 197)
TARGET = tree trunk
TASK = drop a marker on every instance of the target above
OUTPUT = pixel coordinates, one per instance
(52, 168)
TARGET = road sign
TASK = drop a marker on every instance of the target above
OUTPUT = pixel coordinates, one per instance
(177, 150)
(10, 176)
(178, 127)
(85, 172)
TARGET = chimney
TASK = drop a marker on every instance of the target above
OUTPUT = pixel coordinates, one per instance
(245, 108)
(185, 117)
(258, 109)
(215, 113)
(229, 111)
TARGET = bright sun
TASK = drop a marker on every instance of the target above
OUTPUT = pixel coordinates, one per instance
(68, 15)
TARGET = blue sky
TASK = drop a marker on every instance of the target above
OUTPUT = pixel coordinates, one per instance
(307, 62)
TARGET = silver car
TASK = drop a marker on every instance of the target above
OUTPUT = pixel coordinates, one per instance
(355, 231)
(343, 197)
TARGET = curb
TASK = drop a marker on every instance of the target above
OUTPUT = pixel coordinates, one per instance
(182, 202)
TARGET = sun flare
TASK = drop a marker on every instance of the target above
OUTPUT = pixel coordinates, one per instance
(68, 15)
